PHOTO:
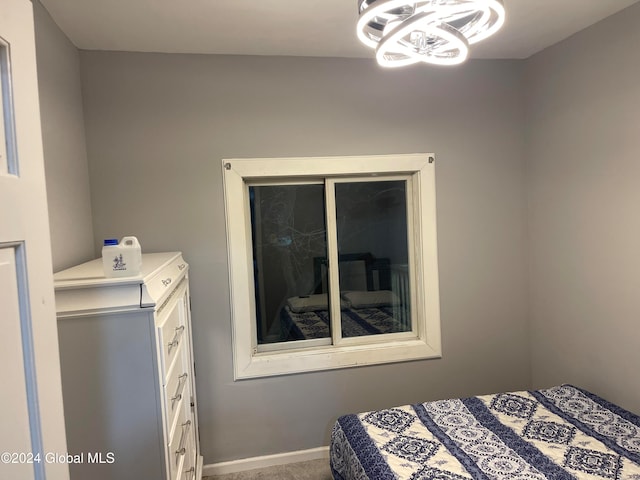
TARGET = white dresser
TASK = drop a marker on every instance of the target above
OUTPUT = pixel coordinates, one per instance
(128, 371)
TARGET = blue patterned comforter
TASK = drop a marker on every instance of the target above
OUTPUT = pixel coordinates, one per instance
(559, 433)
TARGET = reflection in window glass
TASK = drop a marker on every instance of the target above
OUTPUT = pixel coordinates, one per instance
(6, 115)
(8, 148)
(289, 236)
(373, 257)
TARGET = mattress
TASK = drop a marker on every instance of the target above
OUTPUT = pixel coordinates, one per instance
(561, 433)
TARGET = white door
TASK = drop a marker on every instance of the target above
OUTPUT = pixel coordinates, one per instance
(31, 414)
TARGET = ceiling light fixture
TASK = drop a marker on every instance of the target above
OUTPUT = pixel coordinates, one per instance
(431, 31)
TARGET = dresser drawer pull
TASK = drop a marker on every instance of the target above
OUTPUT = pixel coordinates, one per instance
(191, 472)
(181, 383)
(176, 338)
(185, 430)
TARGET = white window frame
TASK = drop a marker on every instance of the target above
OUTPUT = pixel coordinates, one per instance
(303, 356)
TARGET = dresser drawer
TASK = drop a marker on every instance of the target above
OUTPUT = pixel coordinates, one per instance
(189, 465)
(177, 390)
(190, 457)
(179, 444)
(172, 334)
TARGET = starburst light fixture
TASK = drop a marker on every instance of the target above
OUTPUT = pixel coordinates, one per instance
(431, 31)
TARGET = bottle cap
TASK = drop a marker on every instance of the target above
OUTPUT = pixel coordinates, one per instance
(110, 241)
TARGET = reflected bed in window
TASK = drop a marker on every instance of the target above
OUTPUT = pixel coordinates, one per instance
(378, 305)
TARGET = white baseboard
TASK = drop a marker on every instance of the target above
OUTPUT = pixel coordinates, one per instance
(265, 461)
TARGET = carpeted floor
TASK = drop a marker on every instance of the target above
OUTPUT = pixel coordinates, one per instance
(311, 470)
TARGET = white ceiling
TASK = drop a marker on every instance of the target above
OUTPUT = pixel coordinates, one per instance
(300, 28)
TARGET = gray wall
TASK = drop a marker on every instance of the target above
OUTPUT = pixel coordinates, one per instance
(583, 174)
(63, 138)
(157, 129)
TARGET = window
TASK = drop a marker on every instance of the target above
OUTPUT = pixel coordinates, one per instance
(8, 157)
(333, 262)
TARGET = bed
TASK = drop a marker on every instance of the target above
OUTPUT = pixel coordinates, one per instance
(561, 433)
